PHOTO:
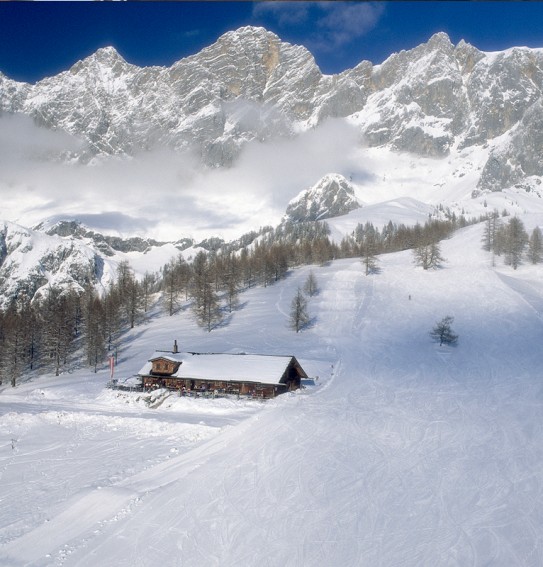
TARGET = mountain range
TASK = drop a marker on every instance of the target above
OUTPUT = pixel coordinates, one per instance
(250, 85)
(399, 450)
(463, 123)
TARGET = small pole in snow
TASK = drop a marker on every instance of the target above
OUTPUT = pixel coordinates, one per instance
(13, 442)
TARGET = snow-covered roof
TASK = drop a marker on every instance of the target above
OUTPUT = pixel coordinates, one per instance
(258, 368)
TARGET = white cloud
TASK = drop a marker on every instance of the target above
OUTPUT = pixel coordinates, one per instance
(284, 13)
(20, 136)
(331, 25)
(343, 22)
(167, 195)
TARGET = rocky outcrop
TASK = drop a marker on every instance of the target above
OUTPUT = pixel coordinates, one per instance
(331, 196)
(33, 262)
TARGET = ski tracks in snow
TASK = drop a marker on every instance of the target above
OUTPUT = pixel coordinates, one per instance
(405, 459)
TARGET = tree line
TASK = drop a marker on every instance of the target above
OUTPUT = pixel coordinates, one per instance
(511, 240)
(66, 328)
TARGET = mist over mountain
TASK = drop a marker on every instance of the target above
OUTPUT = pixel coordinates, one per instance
(251, 86)
(231, 138)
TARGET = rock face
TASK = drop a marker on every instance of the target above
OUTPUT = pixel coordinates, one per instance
(332, 196)
(250, 85)
(32, 262)
(63, 256)
(107, 245)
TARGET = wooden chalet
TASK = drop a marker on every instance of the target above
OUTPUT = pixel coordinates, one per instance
(263, 376)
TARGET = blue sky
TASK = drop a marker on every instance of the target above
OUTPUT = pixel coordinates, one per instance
(42, 39)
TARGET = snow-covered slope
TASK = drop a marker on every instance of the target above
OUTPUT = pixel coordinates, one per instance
(67, 256)
(31, 263)
(404, 453)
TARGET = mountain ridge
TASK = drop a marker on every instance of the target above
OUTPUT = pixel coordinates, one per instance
(250, 85)
(459, 122)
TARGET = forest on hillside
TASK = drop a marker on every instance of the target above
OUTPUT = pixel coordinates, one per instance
(68, 328)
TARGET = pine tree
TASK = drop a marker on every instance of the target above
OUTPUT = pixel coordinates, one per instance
(59, 328)
(171, 286)
(535, 246)
(12, 346)
(370, 262)
(299, 316)
(32, 332)
(491, 229)
(443, 333)
(95, 328)
(370, 241)
(205, 300)
(130, 294)
(112, 317)
(134, 302)
(515, 240)
(428, 256)
(311, 286)
(148, 285)
(229, 275)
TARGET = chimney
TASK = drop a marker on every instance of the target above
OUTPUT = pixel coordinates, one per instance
(175, 349)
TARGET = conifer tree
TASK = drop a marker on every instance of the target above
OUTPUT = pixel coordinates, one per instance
(299, 316)
(205, 300)
(95, 328)
(428, 256)
(12, 350)
(311, 286)
(171, 286)
(112, 317)
(148, 285)
(443, 333)
(492, 226)
(369, 248)
(130, 294)
(515, 240)
(535, 246)
(59, 328)
(32, 332)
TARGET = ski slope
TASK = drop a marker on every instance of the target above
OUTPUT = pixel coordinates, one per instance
(404, 453)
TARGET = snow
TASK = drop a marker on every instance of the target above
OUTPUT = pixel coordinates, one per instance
(403, 453)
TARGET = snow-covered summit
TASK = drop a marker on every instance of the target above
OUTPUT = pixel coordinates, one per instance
(331, 196)
(427, 100)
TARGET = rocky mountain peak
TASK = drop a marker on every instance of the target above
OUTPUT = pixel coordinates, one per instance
(467, 56)
(248, 33)
(440, 41)
(332, 196)
(250, 85)
(106, 59)
(107, 55)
